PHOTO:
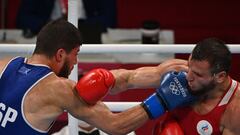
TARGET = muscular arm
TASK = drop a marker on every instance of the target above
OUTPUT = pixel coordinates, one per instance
(116, 123)
(145, 77)
(230, 120)
(101, 117)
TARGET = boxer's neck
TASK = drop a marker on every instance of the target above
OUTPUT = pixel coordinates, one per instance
(209, 101)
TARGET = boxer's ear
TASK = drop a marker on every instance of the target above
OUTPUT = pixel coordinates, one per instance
(60, 55)
(220, 77)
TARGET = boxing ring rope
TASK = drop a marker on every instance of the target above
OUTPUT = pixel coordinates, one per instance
(120, 106)
(117, 48)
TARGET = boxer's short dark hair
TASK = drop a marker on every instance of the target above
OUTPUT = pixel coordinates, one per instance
(56, 35)
(215, 52)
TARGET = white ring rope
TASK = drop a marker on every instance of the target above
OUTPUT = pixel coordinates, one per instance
(120, 106)
(117, 48)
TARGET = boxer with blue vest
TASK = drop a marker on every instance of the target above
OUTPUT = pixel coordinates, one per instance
(35, 91)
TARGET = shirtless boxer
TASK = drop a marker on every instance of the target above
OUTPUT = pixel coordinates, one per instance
(34, 91)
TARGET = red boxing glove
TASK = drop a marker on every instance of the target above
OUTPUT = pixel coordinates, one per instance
(168, 127)
(93, 86)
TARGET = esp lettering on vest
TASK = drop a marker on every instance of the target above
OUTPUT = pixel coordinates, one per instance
(10, 115)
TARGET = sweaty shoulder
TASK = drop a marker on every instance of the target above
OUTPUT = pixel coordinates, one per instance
(48, 99)
(58, 84)
(230, 119)
(61, 89)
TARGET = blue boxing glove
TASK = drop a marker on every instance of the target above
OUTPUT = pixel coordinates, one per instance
(172, 92)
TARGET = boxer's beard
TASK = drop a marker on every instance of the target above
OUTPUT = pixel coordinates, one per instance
(65, 70)
(205, 89)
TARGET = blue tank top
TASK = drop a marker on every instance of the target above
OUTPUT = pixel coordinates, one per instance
(16, 80)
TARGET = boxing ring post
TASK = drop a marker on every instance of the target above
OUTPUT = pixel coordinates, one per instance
(73, 18)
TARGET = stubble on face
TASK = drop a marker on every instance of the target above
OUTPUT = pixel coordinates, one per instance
(204, 89)
(65, 70)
